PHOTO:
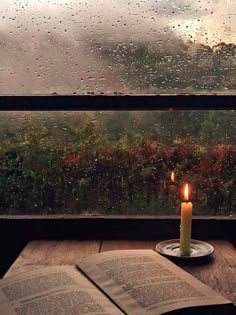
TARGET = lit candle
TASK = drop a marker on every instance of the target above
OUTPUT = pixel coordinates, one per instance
(186, 224)
(172, 177)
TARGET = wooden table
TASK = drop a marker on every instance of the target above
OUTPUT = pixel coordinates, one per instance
(219, 274)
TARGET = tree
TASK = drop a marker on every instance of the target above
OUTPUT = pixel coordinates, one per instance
(219, 128)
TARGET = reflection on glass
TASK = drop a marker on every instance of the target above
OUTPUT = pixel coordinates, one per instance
(102, 46)
(117, 162)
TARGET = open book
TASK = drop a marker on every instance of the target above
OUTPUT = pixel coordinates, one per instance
(119, 282)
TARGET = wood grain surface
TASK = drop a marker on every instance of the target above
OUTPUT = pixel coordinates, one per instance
(219, 273)
(38, 254)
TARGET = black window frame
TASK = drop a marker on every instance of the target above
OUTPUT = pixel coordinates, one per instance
(115, 227)
(117, 102)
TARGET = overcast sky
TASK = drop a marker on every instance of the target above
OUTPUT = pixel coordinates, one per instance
(45, 45)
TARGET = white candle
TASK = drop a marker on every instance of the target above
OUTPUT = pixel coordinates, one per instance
(186, 224)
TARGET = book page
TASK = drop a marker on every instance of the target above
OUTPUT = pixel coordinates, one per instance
(54, 291)
(144, 282)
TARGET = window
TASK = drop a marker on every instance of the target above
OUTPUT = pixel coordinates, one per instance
(117, 46)
(105, 162)
(117, 162)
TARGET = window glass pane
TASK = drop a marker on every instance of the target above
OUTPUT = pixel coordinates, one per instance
(117, 162)
(117, 46)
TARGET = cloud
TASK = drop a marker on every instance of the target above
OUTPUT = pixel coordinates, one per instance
(48, 45)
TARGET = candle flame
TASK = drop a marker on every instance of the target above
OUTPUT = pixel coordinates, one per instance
(186, 192)
(172, 177)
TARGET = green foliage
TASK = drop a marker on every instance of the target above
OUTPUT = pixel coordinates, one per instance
(195, 66)
(218, 128)
(126, 171)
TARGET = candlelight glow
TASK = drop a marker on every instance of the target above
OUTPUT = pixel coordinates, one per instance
(172, 177)
(186, 192)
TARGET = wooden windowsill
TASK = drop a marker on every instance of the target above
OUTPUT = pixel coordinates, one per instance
(113, 227)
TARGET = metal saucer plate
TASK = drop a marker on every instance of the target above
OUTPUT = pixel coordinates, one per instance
(171, 249)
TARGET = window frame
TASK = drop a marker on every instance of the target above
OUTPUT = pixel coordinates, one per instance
(119, 226)
(118, 102)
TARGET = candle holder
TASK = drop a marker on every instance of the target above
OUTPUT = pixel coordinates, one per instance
(199, 251)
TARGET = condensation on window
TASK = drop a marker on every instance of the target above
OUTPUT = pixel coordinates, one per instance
(123, 162)
(117, 46)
